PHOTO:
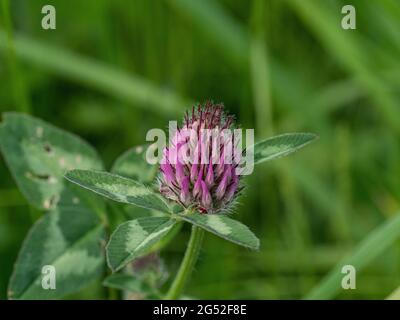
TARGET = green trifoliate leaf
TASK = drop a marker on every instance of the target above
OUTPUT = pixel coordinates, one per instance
(281, 146)
(131, 284)
(132, 164)
(133, 238)
(118, 188)
(63, 249)
(38, 154)
(224, 227)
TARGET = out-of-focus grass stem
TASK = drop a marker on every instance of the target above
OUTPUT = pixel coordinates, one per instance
(20, 93)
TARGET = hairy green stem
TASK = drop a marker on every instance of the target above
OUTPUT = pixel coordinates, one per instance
(188, 262)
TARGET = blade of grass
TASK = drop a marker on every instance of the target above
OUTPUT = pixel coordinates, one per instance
(260, 74)
(395, 295)
(348, 50)
(117, 83)
(211, 19)
(369, 249)
(341, 223)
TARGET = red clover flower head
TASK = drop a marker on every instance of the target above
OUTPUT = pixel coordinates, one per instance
(198, 169)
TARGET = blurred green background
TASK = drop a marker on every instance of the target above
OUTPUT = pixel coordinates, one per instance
(114, 69)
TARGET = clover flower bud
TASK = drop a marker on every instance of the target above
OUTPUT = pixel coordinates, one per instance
(198, 168)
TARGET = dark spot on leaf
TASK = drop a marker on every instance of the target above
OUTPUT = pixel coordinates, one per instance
(53, 201)
(47, 148)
